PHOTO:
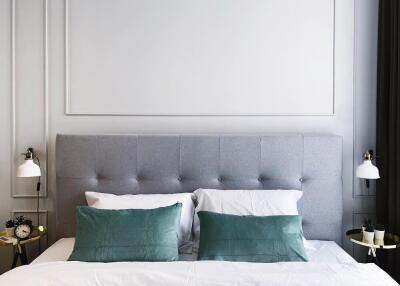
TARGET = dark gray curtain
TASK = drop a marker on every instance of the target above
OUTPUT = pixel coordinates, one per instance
(388, 128)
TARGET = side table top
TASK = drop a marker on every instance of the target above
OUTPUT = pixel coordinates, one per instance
(35, 235)
(391, 241)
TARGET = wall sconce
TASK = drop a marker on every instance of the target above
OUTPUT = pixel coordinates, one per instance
(31, 168)
(367, 170)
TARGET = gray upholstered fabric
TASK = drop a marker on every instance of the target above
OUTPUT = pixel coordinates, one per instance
(131, 164)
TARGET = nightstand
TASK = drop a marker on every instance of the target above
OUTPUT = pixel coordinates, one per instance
(391, 241)
(20, 245)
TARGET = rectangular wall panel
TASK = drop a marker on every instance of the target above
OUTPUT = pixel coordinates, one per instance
(32, 215)
(29, 90)
(209, 57)
(365, 87)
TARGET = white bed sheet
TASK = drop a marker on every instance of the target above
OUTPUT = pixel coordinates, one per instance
(317, 251)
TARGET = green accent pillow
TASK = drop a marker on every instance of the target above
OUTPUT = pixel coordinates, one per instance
(126, 235)
(250, 238)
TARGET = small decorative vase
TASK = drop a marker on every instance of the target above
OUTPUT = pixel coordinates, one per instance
(379, 237)
(10, 231)
(368, 237)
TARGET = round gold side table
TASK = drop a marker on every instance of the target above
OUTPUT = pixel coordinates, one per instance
(19, 245)
(391, 241)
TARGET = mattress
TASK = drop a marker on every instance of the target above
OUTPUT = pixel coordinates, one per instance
(317, 251)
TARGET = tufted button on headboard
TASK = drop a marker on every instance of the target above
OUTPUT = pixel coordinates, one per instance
(145, 164)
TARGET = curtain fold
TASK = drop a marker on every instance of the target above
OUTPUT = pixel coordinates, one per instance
(388, 128)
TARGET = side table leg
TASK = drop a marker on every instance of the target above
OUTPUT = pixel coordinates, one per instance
(371, 256)
(24, 259)
(15, 260)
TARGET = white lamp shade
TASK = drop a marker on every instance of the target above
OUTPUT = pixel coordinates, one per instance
(28, 169)
(367, 171)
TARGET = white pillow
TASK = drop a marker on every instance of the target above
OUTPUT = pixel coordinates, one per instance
(150, 201)
(248, 202)
(245, 202)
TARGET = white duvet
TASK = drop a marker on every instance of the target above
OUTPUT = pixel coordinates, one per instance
(196, 273)
(328, 265)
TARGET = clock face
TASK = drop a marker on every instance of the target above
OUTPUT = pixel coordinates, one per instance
(23, 231)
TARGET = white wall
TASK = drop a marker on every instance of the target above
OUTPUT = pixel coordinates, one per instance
(354, 103)
(200, 57)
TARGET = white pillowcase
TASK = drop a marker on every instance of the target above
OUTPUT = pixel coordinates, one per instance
(245, 202)
(150, 201)
(248, 202)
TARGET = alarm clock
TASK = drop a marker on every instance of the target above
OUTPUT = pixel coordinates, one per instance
(23, 231)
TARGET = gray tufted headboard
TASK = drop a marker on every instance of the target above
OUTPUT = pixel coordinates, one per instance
(133, 164)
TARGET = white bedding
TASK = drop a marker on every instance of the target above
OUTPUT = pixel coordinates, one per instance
(328, 265)
(197, 273)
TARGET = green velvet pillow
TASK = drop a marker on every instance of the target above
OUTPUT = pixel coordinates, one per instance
(126, 235)
(250, 238)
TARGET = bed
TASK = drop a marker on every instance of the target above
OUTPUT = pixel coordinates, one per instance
(142, 164)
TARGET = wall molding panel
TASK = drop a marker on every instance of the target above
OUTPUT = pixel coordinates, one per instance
(40, 57)
(133, 101)
(364, 89)
(31, 214)
(40, 144)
